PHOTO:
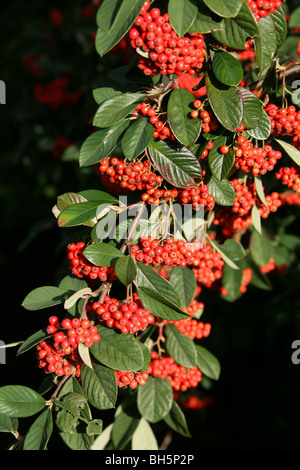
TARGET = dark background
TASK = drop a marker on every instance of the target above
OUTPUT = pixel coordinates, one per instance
(255, 404)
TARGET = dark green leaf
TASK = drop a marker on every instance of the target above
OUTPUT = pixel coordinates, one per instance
(231, 282)
(125, 424)
(99, 385)
(125, 270)
(102, 254)
(155, 399)
(18, 401)
(280, 23)
(204, 22)
(185, 128)
(39, 432)
(222, 191)
(176, 420)
(227, 68)
(136, 138)
(208, 363)
(78, 214)
(263, 130)
(175, 163)
(180, 347)
(182, 14)
(265, 43)
(104, 93)
(44, 297)
(292, 152)
(220, 164)
(224, 9)
(252, 109)
(184, 282)
(261, 248)
(115, 109)
(32, 341)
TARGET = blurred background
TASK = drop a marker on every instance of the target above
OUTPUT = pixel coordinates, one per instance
(49, 65)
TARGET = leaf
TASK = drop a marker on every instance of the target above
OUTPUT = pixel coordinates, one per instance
(252, 108)
(176, 164)
(226, 102)
(292, 152)
(79, 214)
(265, 43)
(119, 23)
(136, 138)
(102, 254)
(223, 253)
(101, 441)
(185, 128)
(144, 438)
(18, 401)
(279, 20)
(224, 9)
(104, 93)
(101, 143)
(263, 130)
(233, 249)
(82, 293)
(261, 249)
(32, 341)
(180, 347)
(68, 199)
(115, 109)
(208, 363)
(125, 270)
(117, 350)
(106, 14)
(175, 419)
(231, 282)
(44, 297)
(256, 218)
(222, 191)
(220, 164)
(155, 399)
(39, 432)
(125, 424)
(259, 189)
(184, 282)
(182, 14)
(227, 69)
(99, 385)
(204, 23)
(8, 424)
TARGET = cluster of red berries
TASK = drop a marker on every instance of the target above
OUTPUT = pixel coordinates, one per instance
(130, 379)
(127, 316)
(290, 199)
(257, 160)
(190, 326)
(238, 217)
(262, 8)
(167, 53)
(290, 177)
(55, 93)
(197, 197)
(284, 121)
(81, 267)
(59, 355)
(78, 331)
(179, 376)
(158, 118)
(209, 120)
(209, 266)
(270, 266)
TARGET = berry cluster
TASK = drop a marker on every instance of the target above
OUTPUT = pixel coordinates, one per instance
(153, 35)
(238, 217)
(81, 267)
(190, 326)
(285, 121)
(257, 160)
(158, 118)
(262, 8)
(209, 120)
(78, 331)
(209, 267)
(180, 377)
(197, 197)
(131, 379)
(270, 266)
(53, 360)
(55, 93)
(290, 177)
(127, 316)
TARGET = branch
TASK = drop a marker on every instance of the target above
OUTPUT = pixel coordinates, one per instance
(280, 75)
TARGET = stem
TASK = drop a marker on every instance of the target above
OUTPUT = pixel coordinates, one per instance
(133, 226)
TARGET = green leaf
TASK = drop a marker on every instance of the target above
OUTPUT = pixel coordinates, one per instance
(265, 43)
(227, 68)
(208, 363)
(144, 438)
(260, 189)
(39, 432)
(184, 282)
(256, 218)
(294, 19)
(32, 341)
(176, 164)
(125, 424)
(263, 130)
(227, 259)
(233, 32)
(117, 350)
(18, 401)
(185, 128)
(182, 14)
(115, 109)
(44, 297)
(104, 93)
(226, 102)
(233, 249)
(94, 427)
(180, 347)
(119, 22)
(102, 441)
(220, 164)
(175, 419)
(157, 305)
(101, 196)
(8, 424)
(68, 199)
(100, 386)
(261, 248)
(102, 254)
(231, 281)
(292, 152)
(101, 143)
(125, 270)
(136, 138)
(222, 191)
(204, 23)
(252, 109)
(155, 399)
(279, 20)
(79, 214)
(224, 9)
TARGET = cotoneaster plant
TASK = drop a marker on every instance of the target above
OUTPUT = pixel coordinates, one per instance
(201, 118)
